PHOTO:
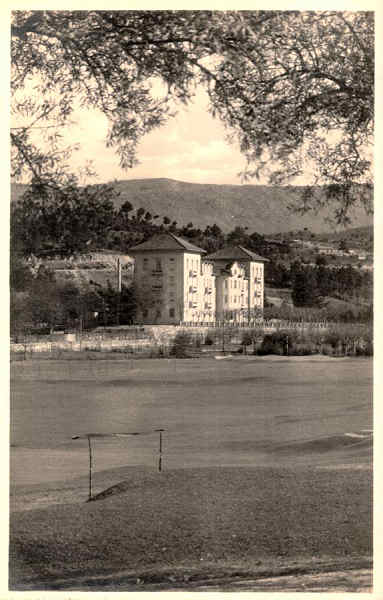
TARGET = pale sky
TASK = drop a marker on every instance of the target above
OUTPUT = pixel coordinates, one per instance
(190, 147)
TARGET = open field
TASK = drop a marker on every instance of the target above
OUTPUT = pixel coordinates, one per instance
(267, 471)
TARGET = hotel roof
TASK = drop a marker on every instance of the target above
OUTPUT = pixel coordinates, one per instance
(238, 253)
(166, 242)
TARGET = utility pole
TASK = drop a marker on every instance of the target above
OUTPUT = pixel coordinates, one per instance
(81, 322)
(119, 288)
(119, 276)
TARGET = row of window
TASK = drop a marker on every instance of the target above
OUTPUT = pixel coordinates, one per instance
(242, 296)
(193, 289)
(240, 300)
(233, 284)
(157, 263)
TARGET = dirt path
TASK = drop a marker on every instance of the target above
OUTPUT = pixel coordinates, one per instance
(355, 580)
(339, 581)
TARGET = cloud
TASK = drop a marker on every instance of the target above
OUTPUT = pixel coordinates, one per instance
(191, 146)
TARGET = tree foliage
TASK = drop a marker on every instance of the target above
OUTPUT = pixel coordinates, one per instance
(65, 220)
(281, 81)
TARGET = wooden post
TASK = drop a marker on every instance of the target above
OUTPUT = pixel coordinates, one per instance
(90, 469)
(160, 456)
(160, 450)
(119, 278)
(81, 324)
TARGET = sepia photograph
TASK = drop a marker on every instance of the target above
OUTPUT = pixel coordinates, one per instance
(191, 265)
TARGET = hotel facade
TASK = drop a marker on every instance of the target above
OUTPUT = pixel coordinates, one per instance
(178, 283)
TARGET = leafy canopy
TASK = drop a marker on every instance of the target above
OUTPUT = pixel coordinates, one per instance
(293, 88)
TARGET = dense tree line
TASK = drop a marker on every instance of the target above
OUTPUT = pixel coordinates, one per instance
(41, 304)
(310, 284)
(64, 224)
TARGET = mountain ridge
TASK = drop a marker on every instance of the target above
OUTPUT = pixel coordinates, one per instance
(260, 208)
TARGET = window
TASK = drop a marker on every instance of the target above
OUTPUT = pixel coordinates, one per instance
(225, 284)
(171, 295)
(145, 313)
(235, 283)
(171, 279)
(158, 264)
(172, 312)
(145, 263)
(235, 299)
(226, 299)
(158, 313)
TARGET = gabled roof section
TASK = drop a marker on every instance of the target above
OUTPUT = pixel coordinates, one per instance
(166, 242)
(238, 253)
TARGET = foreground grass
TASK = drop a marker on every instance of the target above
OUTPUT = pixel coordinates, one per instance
(197, 523)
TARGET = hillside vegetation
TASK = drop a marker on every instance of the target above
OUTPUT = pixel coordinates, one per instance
(260, 208)
(53, 284)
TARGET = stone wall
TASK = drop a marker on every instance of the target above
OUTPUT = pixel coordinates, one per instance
(134, 339)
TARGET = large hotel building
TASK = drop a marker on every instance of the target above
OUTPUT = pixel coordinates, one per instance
(179, 283)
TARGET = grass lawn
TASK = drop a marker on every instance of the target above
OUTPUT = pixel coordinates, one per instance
(267, 470)
(196, 524)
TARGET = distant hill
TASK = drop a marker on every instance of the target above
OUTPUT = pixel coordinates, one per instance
(360, 236)
(258, 207)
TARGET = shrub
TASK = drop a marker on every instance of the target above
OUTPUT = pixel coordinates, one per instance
(276, 343)
(182, 342)
(332, 338)
(247, 338)
(303, 348)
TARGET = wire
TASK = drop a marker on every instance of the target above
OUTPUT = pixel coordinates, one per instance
(118, 434)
